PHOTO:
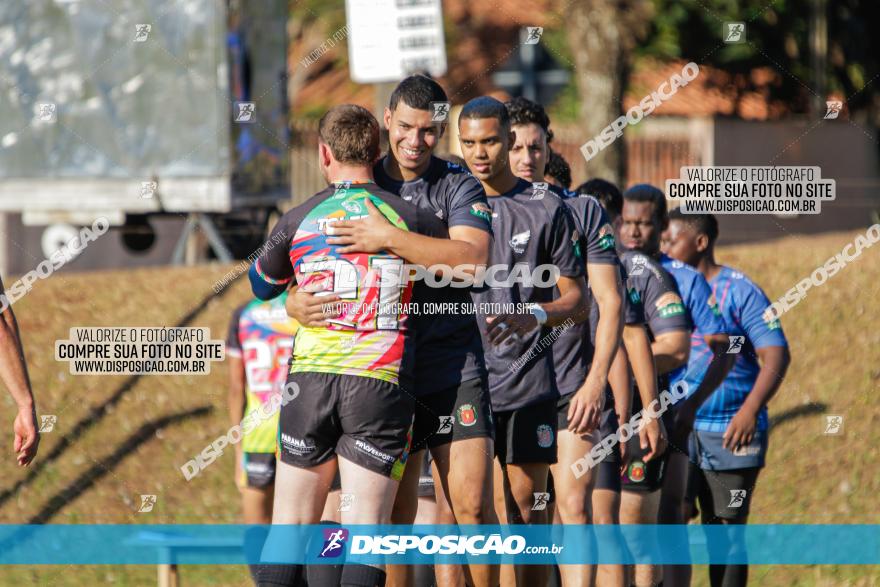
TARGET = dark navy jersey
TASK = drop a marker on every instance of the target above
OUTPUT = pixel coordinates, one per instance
(651, 286)
(532, 227)
(744, 308)
(573, 350)
(448, 347)
(703, 309)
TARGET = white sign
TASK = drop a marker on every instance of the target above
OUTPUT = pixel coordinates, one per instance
(389, 39)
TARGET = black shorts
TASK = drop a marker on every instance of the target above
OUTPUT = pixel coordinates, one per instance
(527, 434)
(455, 413)
(642, 476)
(363, 419)
(258, 469)
(608, 471)
(721, 494)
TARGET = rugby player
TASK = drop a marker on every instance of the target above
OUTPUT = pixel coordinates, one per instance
(351, 409)
(728, 446)
(450, 374)
(635, 352)
(644, 217)
(259, 346)
(13, 371)
(581, 372)
(532, 227)
(558, 171)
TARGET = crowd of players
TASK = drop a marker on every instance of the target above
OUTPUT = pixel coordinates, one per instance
(640, 305)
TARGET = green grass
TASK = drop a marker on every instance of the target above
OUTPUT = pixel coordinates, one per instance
(810, 478)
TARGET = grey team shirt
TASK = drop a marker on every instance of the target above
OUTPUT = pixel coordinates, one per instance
(531, 227)
(448, 347)
(573, 350)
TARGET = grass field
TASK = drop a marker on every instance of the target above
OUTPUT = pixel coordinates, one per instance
(119, 437)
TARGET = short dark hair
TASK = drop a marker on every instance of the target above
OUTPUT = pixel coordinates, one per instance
(417, 91)
(606, 192)
(524, 111)
(352, 134)
(485, 107)
(645, 192)
(558, 168)
(702, 223)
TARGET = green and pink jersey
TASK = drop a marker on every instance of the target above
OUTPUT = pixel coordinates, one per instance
(367, 333)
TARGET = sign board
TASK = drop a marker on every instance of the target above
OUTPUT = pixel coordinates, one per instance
(389, 39)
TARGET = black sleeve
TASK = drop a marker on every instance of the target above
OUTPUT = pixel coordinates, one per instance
(467, 205)
(273, 265)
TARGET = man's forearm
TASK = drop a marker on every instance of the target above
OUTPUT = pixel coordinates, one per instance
(571, 304)
(667, 357)
(419, 249)
(621, 388)
(608, 330)
(13, 369)
(768, 382)
(717, 370)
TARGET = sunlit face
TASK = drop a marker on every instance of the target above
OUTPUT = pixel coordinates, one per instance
(412, 136)
(638, 228)
(484, 146)
(529, 154)
(680, 241)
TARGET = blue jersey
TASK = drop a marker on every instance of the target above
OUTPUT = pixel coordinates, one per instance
(744, 308)
(706, 318)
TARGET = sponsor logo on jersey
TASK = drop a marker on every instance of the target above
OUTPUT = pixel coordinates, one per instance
(520, 240)
(606, 237)
(545, 436)
(352, 206)
(669, 304)
(482, 211)
(467, 415)
(771, 320)
(576, 244)
(713, 304)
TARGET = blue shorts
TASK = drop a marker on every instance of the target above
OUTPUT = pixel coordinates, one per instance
(706, 451)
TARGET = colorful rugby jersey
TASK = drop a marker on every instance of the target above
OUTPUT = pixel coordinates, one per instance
(448, 346)
(744, 308)
(703, 309)
(261, 334)
(532, 227)
(368, 335)
(573, 350)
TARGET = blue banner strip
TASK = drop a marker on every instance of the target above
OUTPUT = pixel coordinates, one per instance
(240, 544)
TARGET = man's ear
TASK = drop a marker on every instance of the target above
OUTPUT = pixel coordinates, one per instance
(324, 154)
(511, 139)
(386, 118)
(702, 242)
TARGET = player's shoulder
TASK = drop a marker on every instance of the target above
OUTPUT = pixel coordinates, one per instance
(546, 195)
(646, 267)
(451, 175)
(740, 283)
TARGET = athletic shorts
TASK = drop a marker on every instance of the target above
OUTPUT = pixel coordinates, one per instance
(258, 469)
(640, 475)
(426, 479)
(455, 413)
(608, 474)
(527, 434)
(721, 494)
(363, 419)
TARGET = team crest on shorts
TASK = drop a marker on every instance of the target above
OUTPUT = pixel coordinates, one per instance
(636, 472)
(467, 415)
(545, 436)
